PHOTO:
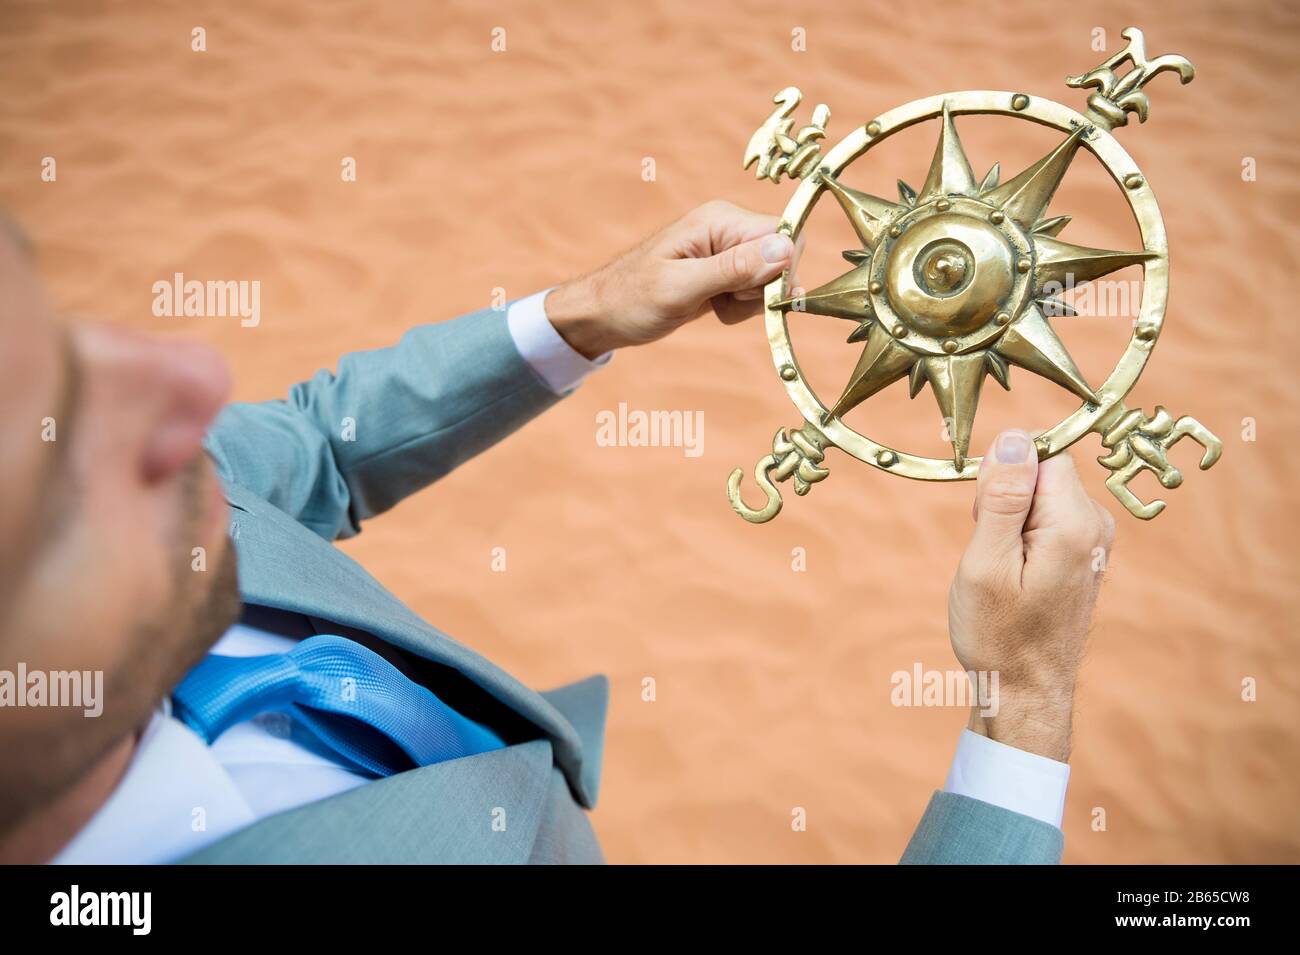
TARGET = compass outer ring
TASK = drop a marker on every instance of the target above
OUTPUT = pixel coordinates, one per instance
(1146, 332)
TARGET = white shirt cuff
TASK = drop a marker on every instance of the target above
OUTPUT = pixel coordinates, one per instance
(562, 368)
(1014, 779)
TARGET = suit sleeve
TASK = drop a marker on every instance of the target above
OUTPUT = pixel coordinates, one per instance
(958, 830)
(349, 444)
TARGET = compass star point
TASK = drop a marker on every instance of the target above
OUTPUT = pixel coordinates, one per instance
(1052, 227)
(916, 379)
(998, 369)
(845, 296)
(950, 172)
(990, 180)
(956, 381)
(869, 215)
(1024, 198)
(1059, 262)
(883, 361)
(1032, 343)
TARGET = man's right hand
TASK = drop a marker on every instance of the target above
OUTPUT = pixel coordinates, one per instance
(718, 256)
(1023, 598)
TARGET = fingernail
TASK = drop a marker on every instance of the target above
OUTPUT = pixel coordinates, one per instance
(776, 248)
(1013, 448)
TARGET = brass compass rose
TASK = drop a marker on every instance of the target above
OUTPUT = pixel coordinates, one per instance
(955, 282)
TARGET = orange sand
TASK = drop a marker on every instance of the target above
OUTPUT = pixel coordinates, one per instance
(519, 169)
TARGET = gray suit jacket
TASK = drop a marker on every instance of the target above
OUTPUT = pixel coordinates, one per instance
(344, 446)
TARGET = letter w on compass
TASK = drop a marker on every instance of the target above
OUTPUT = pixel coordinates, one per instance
(773, 149)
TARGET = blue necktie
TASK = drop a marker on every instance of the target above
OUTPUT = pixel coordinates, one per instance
(353, 700)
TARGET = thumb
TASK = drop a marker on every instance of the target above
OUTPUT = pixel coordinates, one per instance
(747, 265)
(1005, 492)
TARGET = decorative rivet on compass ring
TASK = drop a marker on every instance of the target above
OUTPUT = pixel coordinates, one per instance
(886, 459)
(1023, 266)
(1133, 180)
(873, 128)
(1019, 101)
(788, 372)
(996, 218)
(875, 288)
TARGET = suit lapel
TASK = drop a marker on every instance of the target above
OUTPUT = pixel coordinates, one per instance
(479, 809)
(285, 566)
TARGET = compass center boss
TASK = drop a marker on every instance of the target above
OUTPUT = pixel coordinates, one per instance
(948, 273)
(944, 268)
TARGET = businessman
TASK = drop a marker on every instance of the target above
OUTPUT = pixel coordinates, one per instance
(265, 700)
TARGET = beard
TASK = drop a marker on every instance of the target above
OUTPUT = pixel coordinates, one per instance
(203, 604)
(52, 757)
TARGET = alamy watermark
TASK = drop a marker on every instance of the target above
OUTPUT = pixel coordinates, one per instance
(654, 429)
(180, 298)
(963, 688)
(75, 907)
(57, 688)
(1097, 298)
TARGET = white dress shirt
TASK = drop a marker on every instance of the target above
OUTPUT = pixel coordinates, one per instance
(562, 368)
(179, 794)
